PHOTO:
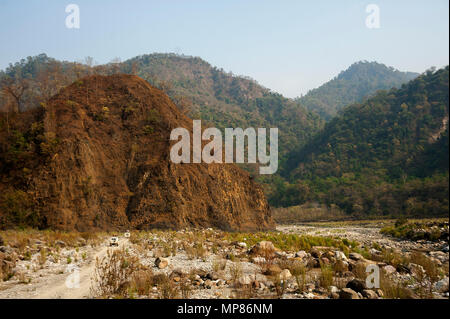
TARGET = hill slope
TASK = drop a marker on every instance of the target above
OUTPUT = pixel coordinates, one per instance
(96, 156)
(388, 154)
(359, 81)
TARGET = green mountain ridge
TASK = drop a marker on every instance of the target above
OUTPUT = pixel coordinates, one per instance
(374, 154)
(361, 80)
(386, 155)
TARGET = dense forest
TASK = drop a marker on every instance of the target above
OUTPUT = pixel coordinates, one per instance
(359, 81)
(385, 156)
(202, 91)
(385, 153)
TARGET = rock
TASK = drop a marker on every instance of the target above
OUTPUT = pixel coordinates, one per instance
(347, 293)
(348, 274)
(339, 255)
(272, 270)
(333, 289)
(442, 285)
(199, 282)
(309, 295)
(445, 249)
(280, 254)
(369, 294)
(416, 270)
(310, 286)
(223, 196)
(334, 295)
(325, 260)
(213, 275)
(313, 263)
(321, 291)
(60, 243)
(301, 254)
(285, 274)
(208, 284)
(388, 270)
(341, 266)
(380, 293)
(263, 248)
(357, 285)
(315, 252)
(356, 256)
(161, 262)
(82, 241)
(328, 254)
(258, 260)
(403, 269)
(242, 245)
(245, 280)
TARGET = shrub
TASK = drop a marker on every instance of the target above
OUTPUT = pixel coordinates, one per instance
(113, 273)
(326, 276)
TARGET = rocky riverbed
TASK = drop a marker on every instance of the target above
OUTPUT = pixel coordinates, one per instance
(297, 261)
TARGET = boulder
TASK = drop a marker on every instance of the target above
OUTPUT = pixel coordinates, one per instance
(285, 274)
(356, 256)
(242, 245)
(339, 255)
(388, 270)
(273, 270)
(161, 262)
(263, 248)
(416, 270)
(315, 252)
(347, 293)
(369, 294)
(357, 285)
(301, 254)
(245, 280)
(442, 285)
(341, 266)
(258, 260)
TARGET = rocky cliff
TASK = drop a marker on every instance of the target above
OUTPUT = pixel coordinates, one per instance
(108, 166)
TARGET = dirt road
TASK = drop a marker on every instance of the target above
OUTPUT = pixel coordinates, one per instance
(61, 286)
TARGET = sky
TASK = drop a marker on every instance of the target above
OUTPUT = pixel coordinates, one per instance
(287, 46)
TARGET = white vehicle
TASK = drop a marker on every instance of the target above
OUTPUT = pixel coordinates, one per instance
(114, 241)
(127, 234)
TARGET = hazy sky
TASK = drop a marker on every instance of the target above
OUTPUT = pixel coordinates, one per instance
(287, 46)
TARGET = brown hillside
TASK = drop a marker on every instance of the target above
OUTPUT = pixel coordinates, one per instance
(108, 167)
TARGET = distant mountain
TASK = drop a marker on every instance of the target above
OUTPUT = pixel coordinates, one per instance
(386, 155)
(359, 81)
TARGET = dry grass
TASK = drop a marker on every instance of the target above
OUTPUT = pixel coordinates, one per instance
(326, 277)
(113, 274)
(21, 238)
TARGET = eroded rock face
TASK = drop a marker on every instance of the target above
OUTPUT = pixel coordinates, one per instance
(111, 168)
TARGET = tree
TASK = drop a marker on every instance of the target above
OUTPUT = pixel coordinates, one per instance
(15, 88)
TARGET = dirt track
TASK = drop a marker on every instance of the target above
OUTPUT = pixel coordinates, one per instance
(54, 286)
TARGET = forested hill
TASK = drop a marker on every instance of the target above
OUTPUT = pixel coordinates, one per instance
(359, 81)
(226, 100)
(388, 154)
(201, 90)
